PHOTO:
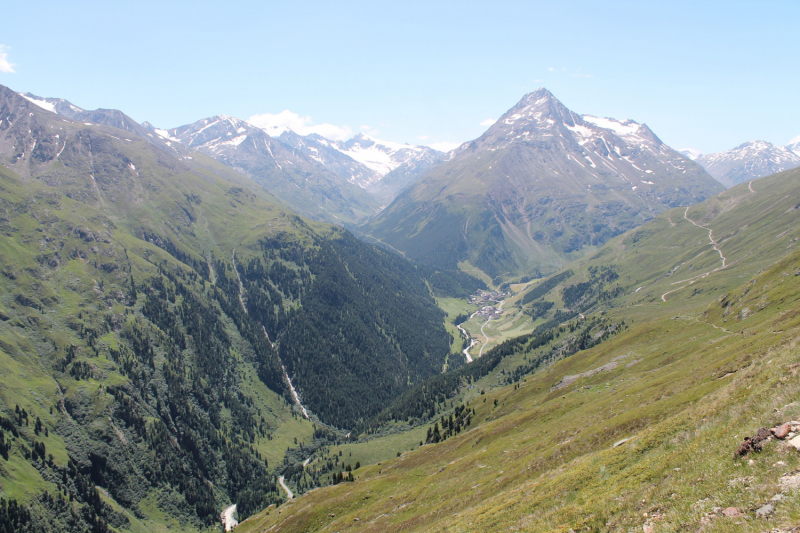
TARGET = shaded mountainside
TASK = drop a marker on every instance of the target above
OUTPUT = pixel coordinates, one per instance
(750, 160)
(541, 187)
(132, 360)
(635, 416)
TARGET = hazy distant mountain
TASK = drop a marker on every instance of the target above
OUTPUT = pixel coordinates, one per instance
(297, 176)
(794, 145)
(691, 153)
(542, 186)
(381, 167)
(403, 175)
(751, 160)
(325, 153)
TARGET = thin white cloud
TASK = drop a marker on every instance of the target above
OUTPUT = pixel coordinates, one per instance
(5, 65)
(422, 137)
(488, 122)
(275, 124)
(444, 146)
(551, 68)
(364, 127)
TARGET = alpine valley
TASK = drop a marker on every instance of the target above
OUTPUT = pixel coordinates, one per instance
(563, 325)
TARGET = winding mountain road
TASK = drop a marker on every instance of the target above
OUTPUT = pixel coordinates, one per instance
(499, 308)
(289, 494)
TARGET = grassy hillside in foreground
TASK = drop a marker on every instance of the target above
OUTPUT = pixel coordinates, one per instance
(639, 430)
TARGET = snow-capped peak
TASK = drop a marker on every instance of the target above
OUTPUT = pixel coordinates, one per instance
(691, 153)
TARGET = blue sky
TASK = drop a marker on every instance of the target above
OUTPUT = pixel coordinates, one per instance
(707, 75)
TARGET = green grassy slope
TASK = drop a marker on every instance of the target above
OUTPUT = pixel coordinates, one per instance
(639, 430)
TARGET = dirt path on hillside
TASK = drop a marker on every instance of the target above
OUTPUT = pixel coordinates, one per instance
(714, 245)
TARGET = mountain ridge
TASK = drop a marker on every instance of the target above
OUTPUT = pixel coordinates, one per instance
(750, 160)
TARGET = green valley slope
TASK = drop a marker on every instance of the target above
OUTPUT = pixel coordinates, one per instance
(685, 356)
(153, 308)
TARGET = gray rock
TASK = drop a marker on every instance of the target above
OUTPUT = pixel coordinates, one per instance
(765, 510)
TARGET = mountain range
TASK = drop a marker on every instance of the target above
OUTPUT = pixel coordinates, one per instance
(332, 181)
(189, 336)
(750, 160)
(541, 187)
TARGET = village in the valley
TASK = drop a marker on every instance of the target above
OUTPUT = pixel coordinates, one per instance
(485, 299)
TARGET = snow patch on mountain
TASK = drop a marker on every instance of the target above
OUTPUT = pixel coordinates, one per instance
(381, 156)
(41, 102)
(620, 127)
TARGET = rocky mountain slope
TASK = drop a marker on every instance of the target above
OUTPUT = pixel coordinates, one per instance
(668, 403)
(750, 160)
(154, 308)
(542, 186)
(107, 117)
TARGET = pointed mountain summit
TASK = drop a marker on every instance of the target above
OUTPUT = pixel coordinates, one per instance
(542, 186)
(750, 160)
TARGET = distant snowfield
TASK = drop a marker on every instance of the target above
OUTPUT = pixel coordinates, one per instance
(378, 155)
(44, 104)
